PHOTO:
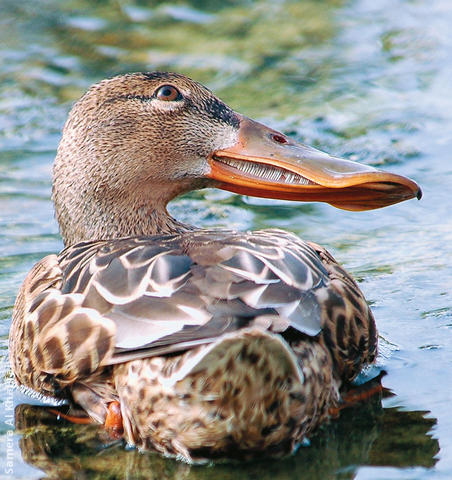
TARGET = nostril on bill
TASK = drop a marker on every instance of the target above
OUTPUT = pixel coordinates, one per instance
(278, 138)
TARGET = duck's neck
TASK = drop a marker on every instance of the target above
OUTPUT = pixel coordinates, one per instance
(142, 220)
(85, 220)
(100, 197)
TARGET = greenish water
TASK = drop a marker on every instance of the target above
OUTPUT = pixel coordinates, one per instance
(363, 79)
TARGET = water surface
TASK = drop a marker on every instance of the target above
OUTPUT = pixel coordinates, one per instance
(362, 79)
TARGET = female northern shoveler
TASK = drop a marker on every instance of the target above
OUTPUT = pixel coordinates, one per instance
(211, 342)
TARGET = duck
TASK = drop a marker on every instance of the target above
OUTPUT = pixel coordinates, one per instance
(194, 343)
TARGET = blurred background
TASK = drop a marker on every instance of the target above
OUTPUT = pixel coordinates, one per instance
(370, 81)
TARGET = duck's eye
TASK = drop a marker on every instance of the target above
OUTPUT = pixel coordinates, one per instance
(168, 93)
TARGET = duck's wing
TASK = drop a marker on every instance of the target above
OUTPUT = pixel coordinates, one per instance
(133, 298)
(54, 339)
(169, 293)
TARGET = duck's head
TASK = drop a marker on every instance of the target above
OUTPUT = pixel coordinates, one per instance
(134, 142)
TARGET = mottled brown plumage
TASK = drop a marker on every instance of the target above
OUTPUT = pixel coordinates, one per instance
(214, 342)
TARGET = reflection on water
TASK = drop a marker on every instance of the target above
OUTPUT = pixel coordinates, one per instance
(368, 80)
(363, 435)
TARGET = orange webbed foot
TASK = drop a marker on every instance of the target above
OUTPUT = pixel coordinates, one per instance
(113, 420)
(71, 418)
(357, 395)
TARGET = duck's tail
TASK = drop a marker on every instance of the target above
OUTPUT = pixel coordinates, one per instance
(250, 391)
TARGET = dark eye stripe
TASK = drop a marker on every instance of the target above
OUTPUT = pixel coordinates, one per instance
(168, 93)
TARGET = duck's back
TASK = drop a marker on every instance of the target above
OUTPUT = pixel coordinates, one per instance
(162, 294)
